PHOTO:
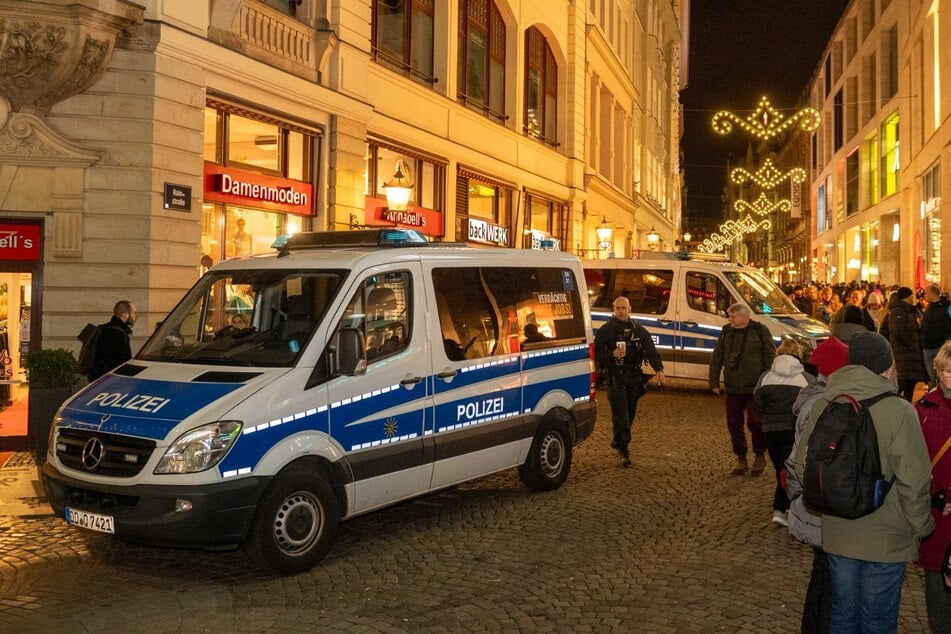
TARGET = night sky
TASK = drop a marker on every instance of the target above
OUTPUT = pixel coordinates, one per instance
(741, 50)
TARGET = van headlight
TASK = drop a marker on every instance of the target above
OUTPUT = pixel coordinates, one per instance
(199, 449)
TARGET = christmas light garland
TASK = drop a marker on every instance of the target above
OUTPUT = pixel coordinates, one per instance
(730, 232)
(766, 122)
(762, 205)
(768, 176)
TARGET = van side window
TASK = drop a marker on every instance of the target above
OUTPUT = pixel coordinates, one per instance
(467, 318)
(381, 308)
(648, 290)
(490, 311)
(536, 306)
(706, 293)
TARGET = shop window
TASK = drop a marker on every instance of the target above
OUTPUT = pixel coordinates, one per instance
(482, 58)
(427, 176)
(253, 144)
(229, 231)
(403, 37)
(541, 88)
(707, 293)
(890, 158)
(545, 216)
(489, 201)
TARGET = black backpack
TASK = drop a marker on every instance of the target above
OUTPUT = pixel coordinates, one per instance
(843, 472)
(87, 354)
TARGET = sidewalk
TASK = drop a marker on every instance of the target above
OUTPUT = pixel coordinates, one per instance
(21, 492)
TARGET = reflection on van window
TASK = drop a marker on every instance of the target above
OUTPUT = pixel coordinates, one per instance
(381, 309)
(764, 297)
(707, 293)
(648, 290)
(491, 311)
(245, 318)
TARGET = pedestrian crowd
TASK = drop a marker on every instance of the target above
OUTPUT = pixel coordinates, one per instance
(884, 341)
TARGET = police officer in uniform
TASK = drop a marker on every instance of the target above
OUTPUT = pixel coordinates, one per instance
(621, 347)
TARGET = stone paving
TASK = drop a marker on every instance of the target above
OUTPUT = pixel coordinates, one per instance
(671, 544)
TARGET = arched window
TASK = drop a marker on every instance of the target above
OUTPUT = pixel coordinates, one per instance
(403, 37)
(482, 57)
(541, 88)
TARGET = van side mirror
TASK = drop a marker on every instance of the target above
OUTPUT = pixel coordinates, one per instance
(349, 353)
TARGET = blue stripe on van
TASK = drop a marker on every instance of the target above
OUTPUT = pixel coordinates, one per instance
(140, 407)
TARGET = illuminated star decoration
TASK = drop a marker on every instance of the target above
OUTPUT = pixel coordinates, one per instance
(389, 428)
(762, 205)
(730, 232)
(766, 122)
(768, 176)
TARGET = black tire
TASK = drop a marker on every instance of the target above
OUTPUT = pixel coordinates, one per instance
(549, 460)
(295, 524)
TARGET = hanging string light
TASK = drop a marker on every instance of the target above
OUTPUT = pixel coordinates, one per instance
(762, 205)
(768, 176)
(766, 122)
(730, 232)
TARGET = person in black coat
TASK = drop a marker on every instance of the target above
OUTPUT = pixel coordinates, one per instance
(621, 348)
(114, 346)
(935, 327)
(904, 335)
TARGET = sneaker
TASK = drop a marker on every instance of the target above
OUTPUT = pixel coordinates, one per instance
(759, 464)
(779, 517)
(740, 467)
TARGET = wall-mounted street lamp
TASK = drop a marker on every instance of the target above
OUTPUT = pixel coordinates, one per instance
(687, 236)
(652, 239)
(399, 188)
(605, 234)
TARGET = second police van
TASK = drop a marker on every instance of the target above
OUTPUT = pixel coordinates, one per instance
(357, 370)
(682, 299)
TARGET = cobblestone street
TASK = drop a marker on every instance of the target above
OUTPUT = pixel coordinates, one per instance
(671, 544)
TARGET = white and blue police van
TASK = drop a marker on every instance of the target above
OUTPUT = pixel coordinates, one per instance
(346, 372)
(682, 300)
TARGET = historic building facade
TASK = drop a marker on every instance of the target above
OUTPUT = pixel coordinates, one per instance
(142, 142)
(884, 91)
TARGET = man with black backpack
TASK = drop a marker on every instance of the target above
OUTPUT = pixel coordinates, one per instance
(108, 345)
(868, 553)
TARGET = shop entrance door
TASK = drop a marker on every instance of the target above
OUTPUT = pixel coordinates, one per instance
(16, 295)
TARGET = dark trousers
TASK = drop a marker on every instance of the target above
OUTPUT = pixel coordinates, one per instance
(623, 394)
(779, 445)
(906, 389)
(739, 413)
(815, 611)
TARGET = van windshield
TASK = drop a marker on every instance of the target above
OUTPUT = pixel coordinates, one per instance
(763, 296)
(245, 318)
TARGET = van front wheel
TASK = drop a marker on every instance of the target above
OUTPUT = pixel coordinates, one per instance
(549, 459)
(295, 524)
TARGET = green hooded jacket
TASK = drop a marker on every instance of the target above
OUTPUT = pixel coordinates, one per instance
(892, 532)
(743, 354)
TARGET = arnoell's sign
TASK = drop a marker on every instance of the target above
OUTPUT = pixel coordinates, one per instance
(250, 189)
(426, 221)
(19, 241)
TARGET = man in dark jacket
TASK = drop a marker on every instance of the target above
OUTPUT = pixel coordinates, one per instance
(621, 347)
(743, 352)
(935, 327)
(113, 347)
(904, 335)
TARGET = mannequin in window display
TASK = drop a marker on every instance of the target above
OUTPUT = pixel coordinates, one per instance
(241, 241)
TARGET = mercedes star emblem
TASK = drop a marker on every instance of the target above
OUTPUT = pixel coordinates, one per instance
(93, 453)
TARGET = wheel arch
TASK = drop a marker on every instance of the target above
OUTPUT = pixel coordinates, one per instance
(310, 452)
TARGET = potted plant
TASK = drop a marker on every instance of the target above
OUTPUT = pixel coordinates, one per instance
(52, 376)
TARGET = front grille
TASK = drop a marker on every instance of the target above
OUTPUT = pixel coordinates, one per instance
(123, 456)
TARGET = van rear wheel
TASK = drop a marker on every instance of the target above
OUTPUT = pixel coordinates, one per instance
(295, 524)
(549, 459)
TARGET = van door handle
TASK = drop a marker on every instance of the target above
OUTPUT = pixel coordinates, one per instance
(448, 374)
(413, 380)
(664, 322)
(689, 322)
